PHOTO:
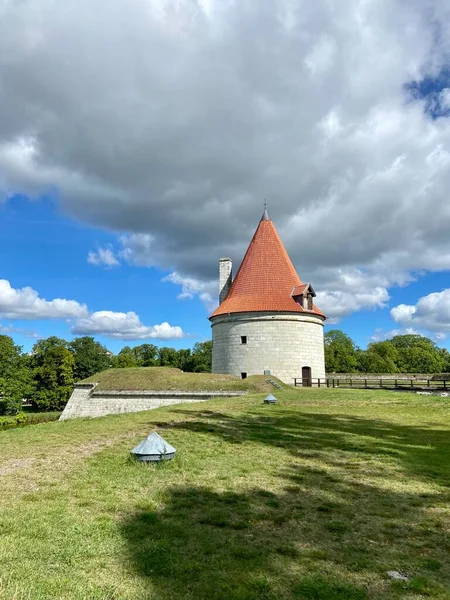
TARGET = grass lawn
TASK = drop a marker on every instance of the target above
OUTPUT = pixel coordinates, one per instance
(166, 378)
(314, 498)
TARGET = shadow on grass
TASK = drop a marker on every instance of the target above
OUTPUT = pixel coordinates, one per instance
(325, 536)
(422, 452)
(228, 546)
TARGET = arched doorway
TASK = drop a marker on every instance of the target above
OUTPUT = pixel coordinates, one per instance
(306, 377)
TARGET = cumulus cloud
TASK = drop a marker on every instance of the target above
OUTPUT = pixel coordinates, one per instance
(25, 303)
(431, 312)
(351, 290)
(190, 287)
(103, 257)
(138, 249)
(124, 326)
(340, 304)
(183, 116)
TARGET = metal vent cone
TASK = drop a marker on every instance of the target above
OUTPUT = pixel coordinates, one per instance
(270, 399)
(153, 449)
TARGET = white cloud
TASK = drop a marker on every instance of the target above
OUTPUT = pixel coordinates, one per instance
(336, 305)
(10, 330)
(444, 99)
(124, 326)
(206, 291)
(431, 313)
(380, 335)
(138, 249)
(344, 291)
(103, 256)
(25, 303)
(197, 111)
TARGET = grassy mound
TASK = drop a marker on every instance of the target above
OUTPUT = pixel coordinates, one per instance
(165, 378)
(314, 498)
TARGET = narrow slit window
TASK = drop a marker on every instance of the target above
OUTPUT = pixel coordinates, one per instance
(310, 302)
(243, 375)
(243, 339)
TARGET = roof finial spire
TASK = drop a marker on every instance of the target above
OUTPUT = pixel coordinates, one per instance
(265, 216)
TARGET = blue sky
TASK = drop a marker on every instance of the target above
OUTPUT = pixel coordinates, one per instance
(48, 251)
(128, 169)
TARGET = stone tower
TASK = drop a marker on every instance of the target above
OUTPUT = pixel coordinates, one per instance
(267, 321)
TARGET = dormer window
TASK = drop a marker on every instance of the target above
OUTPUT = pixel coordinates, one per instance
(303, 295)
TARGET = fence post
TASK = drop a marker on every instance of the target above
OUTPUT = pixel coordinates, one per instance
(412, 385)
(396, 384)
(333, 381)
(318, 382)
(381, 383)
(445, 385)
(428, 382)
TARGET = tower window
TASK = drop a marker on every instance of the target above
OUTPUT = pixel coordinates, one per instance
(243, 339)
(243, 375)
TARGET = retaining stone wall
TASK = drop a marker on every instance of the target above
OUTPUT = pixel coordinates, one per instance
(85, 402)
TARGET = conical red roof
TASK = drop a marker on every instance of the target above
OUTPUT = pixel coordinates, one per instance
(266, 278)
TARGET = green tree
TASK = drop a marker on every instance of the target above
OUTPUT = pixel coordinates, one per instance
(53, 368)
(167, 357)
(380, 357)
(125, 359)
(340, 352)
(15, 376)
(445, 357)
(184, 359)
(9, 356)
(418, 354)
(202, 357)
(42, 346)
(90, 357)
(146, 355)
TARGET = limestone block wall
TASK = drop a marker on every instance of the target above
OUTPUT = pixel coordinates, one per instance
(282, 343)
(85, 402)
(79, 398)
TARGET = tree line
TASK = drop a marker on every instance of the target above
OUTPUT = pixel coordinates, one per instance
(47, 374)
(401, 354)
(45, 377)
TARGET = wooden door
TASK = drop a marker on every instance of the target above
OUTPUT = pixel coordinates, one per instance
(306, 377)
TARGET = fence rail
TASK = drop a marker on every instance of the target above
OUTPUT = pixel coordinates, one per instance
(375, 382)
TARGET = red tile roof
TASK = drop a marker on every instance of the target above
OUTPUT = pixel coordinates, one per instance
(265, 279)
(299, 289)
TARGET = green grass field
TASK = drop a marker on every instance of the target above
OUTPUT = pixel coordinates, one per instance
(166, 378)
(314, 498)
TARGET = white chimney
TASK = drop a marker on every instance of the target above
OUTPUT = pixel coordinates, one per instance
(225, 278)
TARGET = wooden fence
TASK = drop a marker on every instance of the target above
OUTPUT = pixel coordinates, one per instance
(391, 383)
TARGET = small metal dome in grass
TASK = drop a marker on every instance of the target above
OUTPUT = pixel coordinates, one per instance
(153, 449)
(270, 399)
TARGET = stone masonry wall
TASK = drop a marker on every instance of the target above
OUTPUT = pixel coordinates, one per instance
(85, 402)
(280, 343)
